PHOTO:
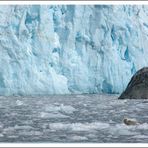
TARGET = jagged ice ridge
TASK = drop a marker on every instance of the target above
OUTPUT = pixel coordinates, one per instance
(71, 48)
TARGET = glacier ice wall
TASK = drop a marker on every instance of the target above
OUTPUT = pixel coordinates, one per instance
(71, 48)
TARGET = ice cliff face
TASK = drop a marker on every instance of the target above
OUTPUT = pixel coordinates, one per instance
(71, 49)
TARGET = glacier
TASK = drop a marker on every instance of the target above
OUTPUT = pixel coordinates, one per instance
(71, 49)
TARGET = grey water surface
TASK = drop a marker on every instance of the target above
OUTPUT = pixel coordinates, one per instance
(72, 118)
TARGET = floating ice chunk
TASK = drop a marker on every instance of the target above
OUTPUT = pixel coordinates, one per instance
(25, 127)
(60, 108)
(121, 129)
(56, 104)
(12, 136)
(140, 136)
(91, 135)
(76, 127)
(30, 133)
(1, 125)
(67, 109)
(81, 96)
(143, 126)
(1, 135)
(19, 103)
(8, 130)
(89, 126)
(78, 138)
(60, 126)
(52, 115)
(52, 108)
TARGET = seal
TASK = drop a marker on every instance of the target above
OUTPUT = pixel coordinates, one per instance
(130, 121)
(138, 86)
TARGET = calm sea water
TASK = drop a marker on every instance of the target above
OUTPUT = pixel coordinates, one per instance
(72, 118)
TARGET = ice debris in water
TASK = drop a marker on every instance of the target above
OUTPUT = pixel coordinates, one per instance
(121, 129)
(52, 115)
(67, 109)
(143, 126)
(79, 126)
(78, 138)
(19, 103)
(60, 108)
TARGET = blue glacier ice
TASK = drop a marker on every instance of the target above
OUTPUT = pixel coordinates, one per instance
(64, 49)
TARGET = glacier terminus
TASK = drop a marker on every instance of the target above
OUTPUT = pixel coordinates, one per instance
(71, 49)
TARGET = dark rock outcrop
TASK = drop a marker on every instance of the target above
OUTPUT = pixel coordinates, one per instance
(138, 86)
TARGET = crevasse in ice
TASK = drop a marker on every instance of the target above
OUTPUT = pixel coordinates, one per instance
(71, 48)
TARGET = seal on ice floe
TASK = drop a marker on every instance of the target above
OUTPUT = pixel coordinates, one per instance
(130, 121)
(138, 86)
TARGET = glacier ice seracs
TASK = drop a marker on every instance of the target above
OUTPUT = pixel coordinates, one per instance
(62, 49)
